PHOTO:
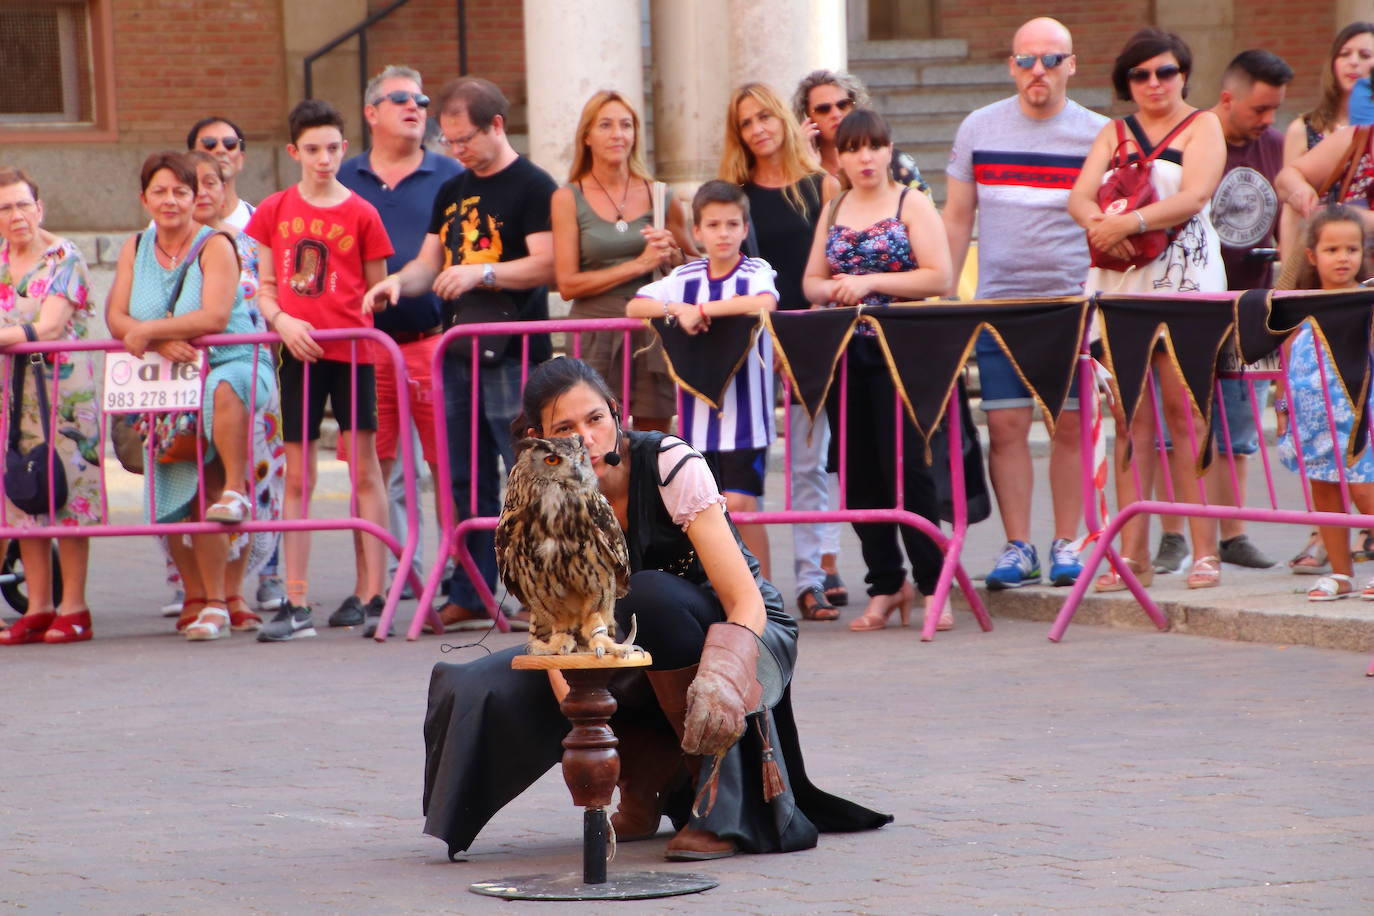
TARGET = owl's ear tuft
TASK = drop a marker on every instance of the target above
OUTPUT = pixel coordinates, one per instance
(528, 442)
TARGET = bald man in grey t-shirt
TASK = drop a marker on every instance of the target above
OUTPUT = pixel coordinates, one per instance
(1013, 165)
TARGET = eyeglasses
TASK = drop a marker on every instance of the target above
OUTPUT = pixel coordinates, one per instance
(841, 105)
(401, 96)
(451, 142)
(230, 143)
(1027, 61)
(23, 206)
(1163, 74)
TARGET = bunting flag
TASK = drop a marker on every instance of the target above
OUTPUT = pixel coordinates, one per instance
(1341, 321)
(703, 365)
(1193, 330)
(816, 340)
(926, 347)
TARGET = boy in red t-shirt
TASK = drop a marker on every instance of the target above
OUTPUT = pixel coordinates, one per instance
(324, 247)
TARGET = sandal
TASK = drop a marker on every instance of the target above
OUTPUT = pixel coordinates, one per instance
(813, 604)
(1312, 559)
(1206, 573)
(1328, 588)
(206, 627)
(1111, 581)
(188, 613)
(244, 621)
(835, 591)
(230, 509)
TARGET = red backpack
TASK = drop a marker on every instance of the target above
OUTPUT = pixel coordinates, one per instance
(1128, 188)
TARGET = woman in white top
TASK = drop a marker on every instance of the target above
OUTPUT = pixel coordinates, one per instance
(1152, 71)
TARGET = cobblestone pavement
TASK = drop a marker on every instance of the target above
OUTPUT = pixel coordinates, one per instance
(1120, 771)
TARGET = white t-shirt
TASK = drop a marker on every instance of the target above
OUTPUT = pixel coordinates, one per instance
(1023, 170)
(239, 218)
(745, 418)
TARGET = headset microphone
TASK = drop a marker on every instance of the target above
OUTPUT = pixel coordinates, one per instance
(612, 458)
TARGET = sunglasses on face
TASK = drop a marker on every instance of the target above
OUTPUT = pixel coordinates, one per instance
(401, 96)
(1027, 61)
(824, 107)
(230, 143)
(1163, 74)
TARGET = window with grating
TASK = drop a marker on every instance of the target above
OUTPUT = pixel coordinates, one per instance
(46, 59)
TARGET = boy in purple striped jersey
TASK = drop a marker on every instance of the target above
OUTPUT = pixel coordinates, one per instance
(735, 438)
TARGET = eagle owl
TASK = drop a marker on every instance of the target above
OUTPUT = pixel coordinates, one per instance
(560, 550)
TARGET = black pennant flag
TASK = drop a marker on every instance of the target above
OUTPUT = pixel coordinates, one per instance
(704, 364)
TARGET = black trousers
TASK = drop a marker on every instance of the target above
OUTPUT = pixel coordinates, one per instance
(871, 442)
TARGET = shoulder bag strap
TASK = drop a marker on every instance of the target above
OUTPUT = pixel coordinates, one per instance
(834, 208)
(1352, 155)
(17, 391)
(191, 257)
(1357, 150)
(1163, 144)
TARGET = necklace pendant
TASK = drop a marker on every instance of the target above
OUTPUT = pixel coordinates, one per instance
(622, 226)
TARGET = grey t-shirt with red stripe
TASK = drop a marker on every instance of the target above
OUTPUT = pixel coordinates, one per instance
(1023, 170)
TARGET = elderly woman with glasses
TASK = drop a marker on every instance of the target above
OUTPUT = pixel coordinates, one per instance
(223, 139)
(45, 295)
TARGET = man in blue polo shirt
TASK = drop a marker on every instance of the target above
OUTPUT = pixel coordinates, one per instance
(399, 177)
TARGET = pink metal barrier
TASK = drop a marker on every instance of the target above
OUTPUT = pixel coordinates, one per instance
(405, 551)
(1267, 511)
(453, 532)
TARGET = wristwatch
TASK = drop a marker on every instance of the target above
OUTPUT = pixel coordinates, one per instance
(488, 276)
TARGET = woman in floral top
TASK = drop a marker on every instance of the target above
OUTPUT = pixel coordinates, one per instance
(44, 290)
(879, 244)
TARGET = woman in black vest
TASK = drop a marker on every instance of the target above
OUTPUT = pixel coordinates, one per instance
(696, 593)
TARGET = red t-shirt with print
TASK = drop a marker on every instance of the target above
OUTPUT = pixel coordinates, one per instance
(318, 253)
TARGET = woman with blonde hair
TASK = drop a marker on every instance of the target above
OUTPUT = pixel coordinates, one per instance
(766, 153)
(608, 239)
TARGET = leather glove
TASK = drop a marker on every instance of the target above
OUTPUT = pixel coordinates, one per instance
(725, 690)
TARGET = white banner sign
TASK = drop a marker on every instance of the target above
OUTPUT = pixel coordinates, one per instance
(150, 384)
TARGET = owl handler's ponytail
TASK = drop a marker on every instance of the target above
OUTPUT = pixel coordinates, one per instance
(547, 382)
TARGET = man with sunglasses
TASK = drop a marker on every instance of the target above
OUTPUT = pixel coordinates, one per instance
(488, 253)
(1012, 166)
(399, 177)
(222, 139)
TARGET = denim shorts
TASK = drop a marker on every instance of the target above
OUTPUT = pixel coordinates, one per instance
(1001, 386)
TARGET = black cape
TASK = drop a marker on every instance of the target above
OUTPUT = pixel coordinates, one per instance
(491, 732)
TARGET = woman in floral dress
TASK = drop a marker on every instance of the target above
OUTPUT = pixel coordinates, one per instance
(44, 292)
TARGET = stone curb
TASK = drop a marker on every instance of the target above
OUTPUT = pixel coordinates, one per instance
(1352, 631)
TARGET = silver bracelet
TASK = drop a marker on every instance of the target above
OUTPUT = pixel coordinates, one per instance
(668, 317)
(1138, 215)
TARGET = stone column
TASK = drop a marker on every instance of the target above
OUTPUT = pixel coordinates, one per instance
(574, 48)
(1209, 29)
(1348, 11)
(697, 63)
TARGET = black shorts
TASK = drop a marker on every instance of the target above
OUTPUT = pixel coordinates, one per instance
(329, 380)
(739, 470)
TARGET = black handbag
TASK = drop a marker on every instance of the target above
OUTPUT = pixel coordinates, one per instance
(976, 495)
(482, 306)
(27, 478)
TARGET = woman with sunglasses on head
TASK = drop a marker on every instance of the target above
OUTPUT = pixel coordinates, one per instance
(605, 247)
(767, 155)
(822, 99)
(45, 295)
(1152, 71)
(879, 244)
(223, 139)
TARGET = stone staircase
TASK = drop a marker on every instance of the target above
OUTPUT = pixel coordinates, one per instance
(926, 88)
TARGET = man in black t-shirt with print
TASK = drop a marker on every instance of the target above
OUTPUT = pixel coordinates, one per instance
(489, 255)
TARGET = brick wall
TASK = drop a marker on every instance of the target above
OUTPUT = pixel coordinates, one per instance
(424, 34)
(178, 60)
(1274, 25)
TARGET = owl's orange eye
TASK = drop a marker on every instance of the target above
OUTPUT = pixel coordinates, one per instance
(552, 459)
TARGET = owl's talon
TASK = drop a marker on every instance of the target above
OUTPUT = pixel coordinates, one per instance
(600, 651)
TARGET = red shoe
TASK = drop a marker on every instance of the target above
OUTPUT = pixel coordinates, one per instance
(70, 628)
(27, 629)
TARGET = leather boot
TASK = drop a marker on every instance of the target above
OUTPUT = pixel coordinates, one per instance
(690, 844)
(651, 766)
